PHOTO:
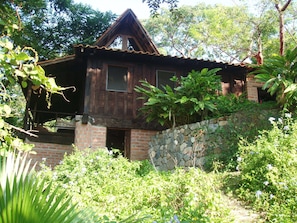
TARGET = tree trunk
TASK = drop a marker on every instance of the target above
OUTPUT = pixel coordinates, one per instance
(281, 33)
(281, 25)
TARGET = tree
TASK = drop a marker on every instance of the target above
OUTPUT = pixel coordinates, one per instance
(172, 32)
(51, 27)
(154, 5)
(239, 33)
(18, 66)
(209, 32)
(279, 72)
(281, 10)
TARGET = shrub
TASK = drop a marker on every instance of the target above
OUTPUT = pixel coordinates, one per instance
(245, 124)
(116, 189)
(268, 171)
(191, 101)
(279, 75)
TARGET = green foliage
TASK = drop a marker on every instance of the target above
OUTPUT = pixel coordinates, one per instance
(268, 170)
(244, 124)
(24, 199)
(279, 73)
(196, 31)
(18, 66)
(154, 5)
(192, 100)
(51, 27)
(117, 190)
(230, 103)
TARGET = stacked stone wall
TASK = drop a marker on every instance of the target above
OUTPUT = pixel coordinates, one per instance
(184, 146)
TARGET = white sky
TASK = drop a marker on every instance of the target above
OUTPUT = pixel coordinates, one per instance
(141, 9)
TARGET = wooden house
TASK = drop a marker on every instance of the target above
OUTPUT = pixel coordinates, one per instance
(103, 111)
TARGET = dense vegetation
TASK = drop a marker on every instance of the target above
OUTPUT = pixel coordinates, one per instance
(51, 27)
(268, 171)
(191, 100)
(108, 189)
(93, 186)
(116, 189)
(194, 98)
(264, 178)
(240, 32)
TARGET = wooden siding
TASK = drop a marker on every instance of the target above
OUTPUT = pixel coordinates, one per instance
(120, 109)
(112, 106)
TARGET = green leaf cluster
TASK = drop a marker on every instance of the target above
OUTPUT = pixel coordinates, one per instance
(24, 198)
(118, 190)
(192, 100)
(51, 27)
(279, 75)
(268, 170)
(18, 66)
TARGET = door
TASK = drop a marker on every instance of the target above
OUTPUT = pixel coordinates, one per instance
(119, 139)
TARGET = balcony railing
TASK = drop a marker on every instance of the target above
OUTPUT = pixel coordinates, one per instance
(51, 127)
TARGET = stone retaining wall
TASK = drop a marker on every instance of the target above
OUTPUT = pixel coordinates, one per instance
(183, 146)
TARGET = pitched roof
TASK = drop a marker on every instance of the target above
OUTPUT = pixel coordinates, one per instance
(105, 52)
(129, 26)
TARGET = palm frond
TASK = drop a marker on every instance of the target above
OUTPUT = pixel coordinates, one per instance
(26, 199)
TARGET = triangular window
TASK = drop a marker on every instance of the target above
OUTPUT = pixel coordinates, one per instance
(124, 42)
(117, 43)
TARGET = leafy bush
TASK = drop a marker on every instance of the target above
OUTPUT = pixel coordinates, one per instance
(116, 189)
(245, 125)
(268, 171)
(279, 75)
(191, 101)
(230, 103)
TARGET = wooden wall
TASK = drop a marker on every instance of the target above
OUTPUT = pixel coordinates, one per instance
(120, 109)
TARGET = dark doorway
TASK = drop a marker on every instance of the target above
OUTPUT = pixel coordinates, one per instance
(264, 96)
(119, 139)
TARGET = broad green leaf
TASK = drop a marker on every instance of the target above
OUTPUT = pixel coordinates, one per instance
(7, 109)
(6, 44)
(20, 73)
(292, 87)
(24, 84)
(23, 56)
(183, 100)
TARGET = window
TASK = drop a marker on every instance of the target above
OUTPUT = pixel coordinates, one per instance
(163, 79)
(124, 42)
(117, 78)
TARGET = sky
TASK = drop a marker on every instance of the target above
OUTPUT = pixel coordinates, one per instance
(140, 9)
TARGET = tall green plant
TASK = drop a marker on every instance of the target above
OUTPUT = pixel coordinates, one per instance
(268, 170)
(160, 104)
(192, 100)
(18, 66)
(279, 74)
(25, 199)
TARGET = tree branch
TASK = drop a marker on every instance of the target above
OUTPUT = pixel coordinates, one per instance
(23, 131)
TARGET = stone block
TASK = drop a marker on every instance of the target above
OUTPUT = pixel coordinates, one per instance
(170, 165)
(183, 146)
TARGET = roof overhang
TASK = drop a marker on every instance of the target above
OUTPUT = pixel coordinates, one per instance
(139, 56)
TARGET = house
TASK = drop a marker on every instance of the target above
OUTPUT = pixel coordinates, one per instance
(103, 110)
